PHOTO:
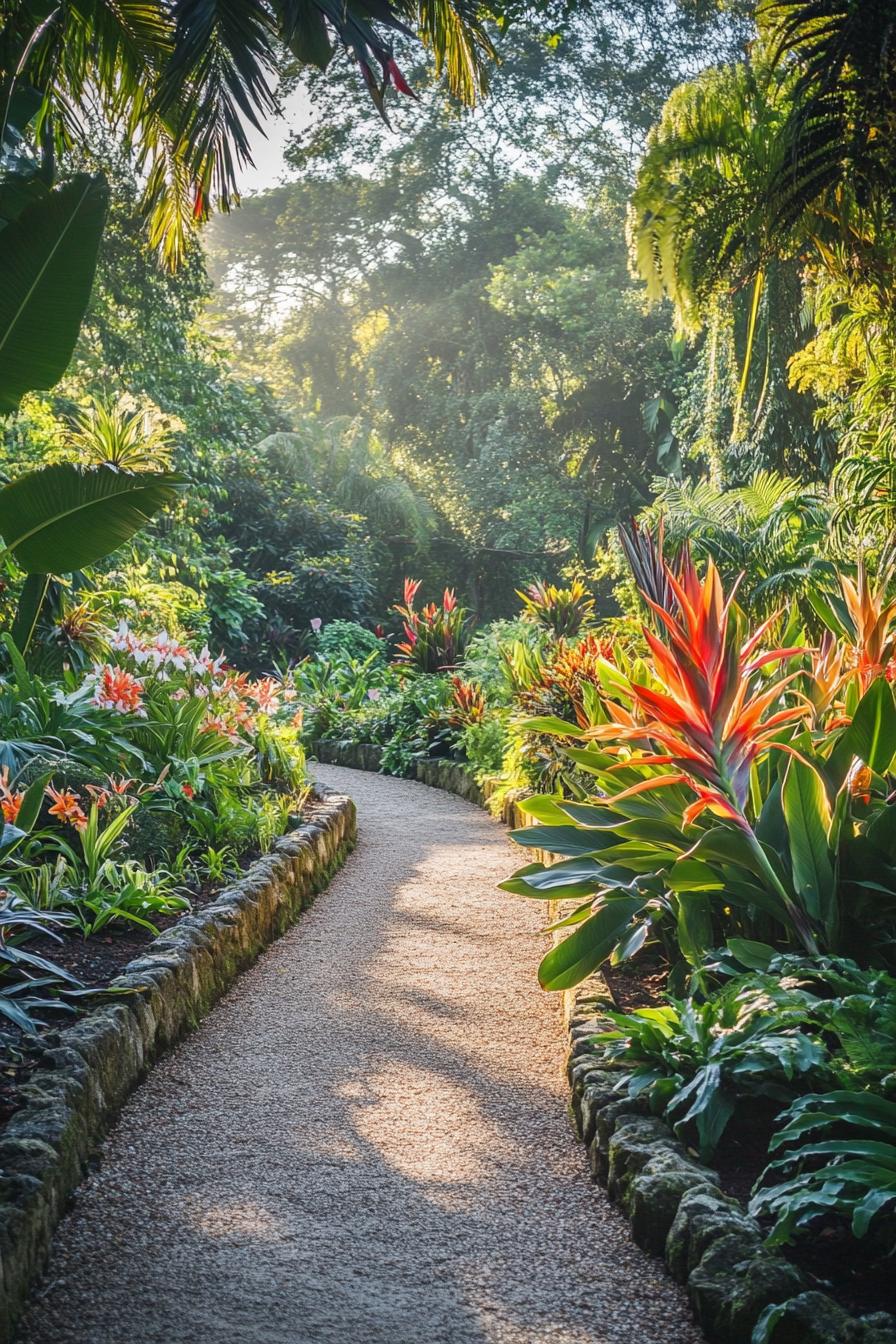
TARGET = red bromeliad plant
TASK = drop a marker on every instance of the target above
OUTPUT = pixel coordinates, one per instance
(468, 703)
(681, 829)
(436, 635)
(708, 714)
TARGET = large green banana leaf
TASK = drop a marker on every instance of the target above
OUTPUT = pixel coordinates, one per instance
(62, 518)
(47, 263)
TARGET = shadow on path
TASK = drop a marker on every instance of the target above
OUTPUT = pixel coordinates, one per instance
(365, 1141)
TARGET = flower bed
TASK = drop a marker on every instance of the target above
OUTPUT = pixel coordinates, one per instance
(85, 1071)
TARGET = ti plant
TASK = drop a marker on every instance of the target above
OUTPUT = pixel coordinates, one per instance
(435, 635)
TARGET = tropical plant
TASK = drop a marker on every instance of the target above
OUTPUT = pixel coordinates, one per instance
(844, 100)
(563, 611)
(435, 635)
(772, 531)
(728, 843)
(468, 703)
(695, 1062)
(340, 640)
(51, 238)
(185, 85)
(839, 1162)
(108, 434)
(62, 518)
(30, 983)
(863, 617)
(706, 232)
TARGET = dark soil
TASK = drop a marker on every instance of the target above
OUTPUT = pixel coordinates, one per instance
(848, 1270)
(637, 984)
(743, 1154)
(99, 958)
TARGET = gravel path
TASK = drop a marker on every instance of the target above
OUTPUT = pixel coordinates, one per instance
(365, 1142)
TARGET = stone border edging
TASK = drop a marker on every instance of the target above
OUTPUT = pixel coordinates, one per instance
(677, 1211)
(89, 1068)
(437, 773)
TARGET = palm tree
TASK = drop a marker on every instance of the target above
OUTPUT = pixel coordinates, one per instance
(772, 530)
(704, 233)
(841, 131)
(185, 80)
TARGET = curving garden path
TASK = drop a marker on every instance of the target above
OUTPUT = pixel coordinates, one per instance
(365, 1142)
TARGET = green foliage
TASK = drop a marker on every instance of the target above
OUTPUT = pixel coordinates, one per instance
(50, 243)
(562, 611)
(695, 1062)
(339, 641)
(846, 1170)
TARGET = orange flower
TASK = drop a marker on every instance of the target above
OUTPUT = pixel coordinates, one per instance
(67, 807)
(266, 693)
(711, 718)
(117, 689)
(188, 791)
(10, 799)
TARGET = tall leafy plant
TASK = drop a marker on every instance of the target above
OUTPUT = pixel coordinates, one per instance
(719, 815)
(61, 518)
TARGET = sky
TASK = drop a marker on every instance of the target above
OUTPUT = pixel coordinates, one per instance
(267, 148)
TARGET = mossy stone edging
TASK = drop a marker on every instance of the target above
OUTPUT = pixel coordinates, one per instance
(739, 1290)
(437, 773)
(87, 1070)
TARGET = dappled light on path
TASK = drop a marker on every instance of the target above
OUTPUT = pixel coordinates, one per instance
(366, 1140)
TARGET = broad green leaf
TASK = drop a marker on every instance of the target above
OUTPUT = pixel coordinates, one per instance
(585, 814)
(62, 518)
(755, 956)
(694, 926)
(543, 807)
(872, 734)
(561, 839)
(808, 816)
(727, 844)
(690, 874)
(305, 33)
(584, 950)
(32, 803)
(49, 259)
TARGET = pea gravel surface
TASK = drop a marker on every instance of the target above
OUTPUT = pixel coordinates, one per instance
(365, 1141)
